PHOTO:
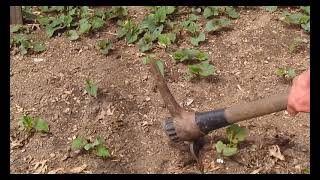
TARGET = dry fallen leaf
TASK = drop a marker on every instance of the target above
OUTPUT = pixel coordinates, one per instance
(275, 152)
(56, 170)
(256, 171)
(40, 167)
(109, 111)
(16, 144)
(78, 169)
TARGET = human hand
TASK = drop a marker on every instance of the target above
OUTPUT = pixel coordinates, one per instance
(299, 96)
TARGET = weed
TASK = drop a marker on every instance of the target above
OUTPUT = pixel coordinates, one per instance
(97, 146)
(91, 88)
(25, 44)
(104, 46)
(286, 73)
(29, 124)
(189, 54)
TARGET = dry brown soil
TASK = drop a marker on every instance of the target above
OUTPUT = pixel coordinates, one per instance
(129, 113)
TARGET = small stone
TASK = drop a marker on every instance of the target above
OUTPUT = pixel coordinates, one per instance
(234, 59)
(266, 62)
(23, 150)
(148, 99)
(220, 161)
(126, 82)
(144, 78)
(67, 110)
(112, 86)
(210, 52)
(37, 60)
(130, 96)
(52, 155)
(268, 58)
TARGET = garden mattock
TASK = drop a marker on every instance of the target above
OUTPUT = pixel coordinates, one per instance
(192, 126)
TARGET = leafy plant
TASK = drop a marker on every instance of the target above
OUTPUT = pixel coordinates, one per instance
(146, 42)
(167, 38)
(28, 123)
(25, 44)
(72, 35)
(97, 146)
(235, 135)
(104, 46)
(271, 8)
(118, 12)
(232, 12)
(196, 40)
(129, 30)
(203, 69)
(217, 24)
(298, 18)
(91, 88)
(189, 54)
(210, 11)
(287, 73)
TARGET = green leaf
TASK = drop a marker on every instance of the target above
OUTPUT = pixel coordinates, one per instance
(88, 146)
(210, 11)
(220, 146)
(291, 72)
(202, 56)
(280, 72)
(41, 125)
(296, 18)
(306, 26)
(37, 47)
(195, 40)
(72, 35)
(236, 134)
(203, 69)
(189, 54)
(217, 24)
(84, 11)
(67, 20)
(229, 151)
(270, 8)
(97, 23)
(104, 46)
(84, 26)
(91, 89)
(160, 15)
(15, 28)
(26, 123)
(160, 66)
(306, 9)
(147, 59)
(193, 27)
(79, 143)
(169, 9)
(102, 151)
(155, 34)
(167, 38)
(232, 13)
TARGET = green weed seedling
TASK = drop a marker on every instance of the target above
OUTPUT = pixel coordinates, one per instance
(189, 54)
(129, 30)
(295, 44)
(91, 88)
(217, 24)
(235, 134)
(286, 73)
(104, 46)
(97, 146)
(302, 19)
(270, 8)
(210, 11)
(25, 44)
(29, 124)
(203, 69)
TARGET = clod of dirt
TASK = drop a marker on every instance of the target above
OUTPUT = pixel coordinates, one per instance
(275, 152)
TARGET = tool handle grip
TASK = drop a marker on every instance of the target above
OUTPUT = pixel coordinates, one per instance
(211, 120)
(257, 108)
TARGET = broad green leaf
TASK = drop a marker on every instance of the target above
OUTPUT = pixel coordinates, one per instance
(280, 72)
(97, 23)
(229, 151)
(37, 47)
(160, 15)
(104, 46)
(84, 11)
(169, 9)
(102, 151)
(210, 11)
(167, 38)
(84, 26)
(189, 54)
(156, 32)
(306, 9)
(220, 146)
(23, 50)
(27, 122)
(297, 18)
(88, 146)
(193, 27)
(132, 37)
(291, 72)
(67, 20)
(91, 89)
(79, 143)
(232, 13)
(99, 140)
(306, 26)
(217, 24)
(202, 56)
(270, 8)
(203, 69)
(15, 28)
(195, 40)
(72, 35)
(236, 134)
(41, 125)
(193, 17)
(100, 13)
(160, 66)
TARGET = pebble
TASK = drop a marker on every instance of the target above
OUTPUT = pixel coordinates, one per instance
(52, 155)
(23, 150)
(126, 82)
(67, 110)
(220, 161)
(148, 99)
(130, 96)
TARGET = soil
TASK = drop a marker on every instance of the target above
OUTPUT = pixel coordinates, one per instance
(129, 113)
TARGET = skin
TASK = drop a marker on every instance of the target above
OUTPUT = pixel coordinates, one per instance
(299, 96)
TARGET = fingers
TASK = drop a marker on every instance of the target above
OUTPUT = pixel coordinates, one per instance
(291, 111)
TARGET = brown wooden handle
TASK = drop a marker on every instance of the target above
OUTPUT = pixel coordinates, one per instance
(256, 108)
